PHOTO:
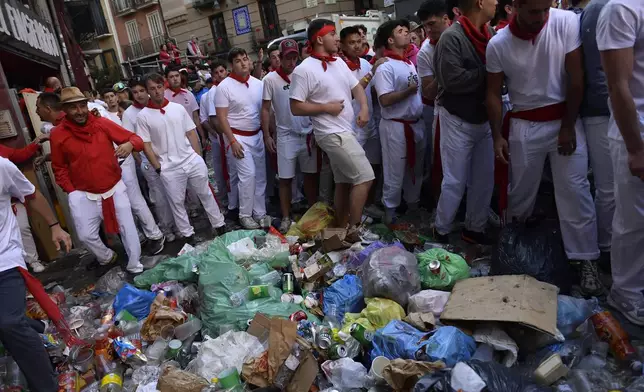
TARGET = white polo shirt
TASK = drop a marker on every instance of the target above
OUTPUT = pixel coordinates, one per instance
(309, 82)
(167, 133)
(277, 91)
(184, 98)
(244, 103)
(397, 75)
(212, 111)
(620, 26)
(425, 59)
(12, 184)
(535, 72)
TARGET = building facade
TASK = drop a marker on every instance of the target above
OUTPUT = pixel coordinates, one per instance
(251, 24)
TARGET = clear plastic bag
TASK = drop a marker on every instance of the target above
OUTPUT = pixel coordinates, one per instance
(391, 273)
(111, 282)
(345, 373)
(428, 301)
(571, 312)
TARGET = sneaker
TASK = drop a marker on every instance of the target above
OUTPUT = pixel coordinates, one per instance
(476, 237)
(633, 311)
(170, 237)
(156, 246)
(590, 284)
(219, 231)
(248, 223)
(285, 224)
(493, 219)
(367, 236)
(440, 238)
(36, 266)
(264, 222)
(136, 270)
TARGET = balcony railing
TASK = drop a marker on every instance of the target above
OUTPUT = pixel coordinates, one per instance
(123, 7)
(139, 4)
(144, 48)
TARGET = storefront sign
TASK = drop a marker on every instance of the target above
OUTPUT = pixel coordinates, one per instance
(23, 31)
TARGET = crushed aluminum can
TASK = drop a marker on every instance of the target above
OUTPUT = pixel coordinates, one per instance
(298, 316)
(435, 266)
(324, 337)
(337, 351)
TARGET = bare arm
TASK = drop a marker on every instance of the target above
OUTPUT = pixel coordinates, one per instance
(266, 117)
(195, 118)
(222, 115)
(194, 141)
(38, 203)
(575, 70)
(214, 125)
(152, 157)
(618, 65)
(299, 108)
(493, 102)
(430, 87)
(208, 130)
(360, 96)
(397, 96)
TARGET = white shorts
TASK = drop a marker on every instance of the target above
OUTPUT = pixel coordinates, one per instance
(292, 150)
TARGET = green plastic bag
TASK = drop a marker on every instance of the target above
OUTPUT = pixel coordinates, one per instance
(452, 269)
(179, 268)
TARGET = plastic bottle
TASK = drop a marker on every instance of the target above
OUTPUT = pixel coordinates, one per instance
(597, 357)
(331, 318)
(610, 330)
(185, 354)
(287, 370)
(111, 375)
(239, 298)
(273, 278)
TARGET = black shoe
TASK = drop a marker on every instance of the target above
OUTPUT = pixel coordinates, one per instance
(190, 240)
(589, 279)
(475, 237)
(219, 231)
(156, 246)
(440, 238)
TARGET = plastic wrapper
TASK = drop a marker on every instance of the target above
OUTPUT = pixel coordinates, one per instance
(452, 268)
(111, 282)
(345, 295)
(428, 301)
(146, 374)
(135, 301)
(318, 217)
(391, 273)
(34, 310)
(177, 380)
(499, 378)
(127, 351)
(532, 250)
(274, 251)
(571, 312)
(345, 373)
(220, 277)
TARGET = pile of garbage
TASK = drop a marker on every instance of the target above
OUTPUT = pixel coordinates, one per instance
(310, 312)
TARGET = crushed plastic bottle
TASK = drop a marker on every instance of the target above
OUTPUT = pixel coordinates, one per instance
(610, 330)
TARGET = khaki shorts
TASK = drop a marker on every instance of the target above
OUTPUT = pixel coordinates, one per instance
(347, 158)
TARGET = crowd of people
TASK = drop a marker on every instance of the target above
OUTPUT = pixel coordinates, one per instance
(482, 97)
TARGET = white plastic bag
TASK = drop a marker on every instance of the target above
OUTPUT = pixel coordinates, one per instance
(464, 378)
(242, 249)
(345, 373)
(229, 350)
(428, 301)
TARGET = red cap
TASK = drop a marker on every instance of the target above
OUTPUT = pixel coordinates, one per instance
(287, 46)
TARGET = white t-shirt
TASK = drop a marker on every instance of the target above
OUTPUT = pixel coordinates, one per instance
(167, 133)
(129, 118)
(204, 104)
(276, 90)
(211, 101)
(425, 59)
(101, 109)
(184, 98)
(309, 82)
(12, 184)
(621, 26)
(244, 103)
(535, 73)
(114, 117)
(364, 69)
(397, 75)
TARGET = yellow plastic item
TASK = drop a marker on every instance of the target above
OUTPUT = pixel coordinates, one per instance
(317, 218)
(378, 313)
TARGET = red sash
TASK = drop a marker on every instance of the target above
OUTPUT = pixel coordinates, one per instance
(410, 143)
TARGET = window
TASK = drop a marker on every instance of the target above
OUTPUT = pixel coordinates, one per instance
(219, 33)
(156, 29)
(362, 6)
(270, 19)
(135, 39)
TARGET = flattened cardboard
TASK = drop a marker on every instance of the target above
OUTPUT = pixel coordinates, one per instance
(305, 374)
(510, 298)
(259, 327)
(333, 239)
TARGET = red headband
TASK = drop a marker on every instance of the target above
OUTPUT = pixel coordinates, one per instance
(322, 32)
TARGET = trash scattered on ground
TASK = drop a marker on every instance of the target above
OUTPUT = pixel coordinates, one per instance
(312, 312)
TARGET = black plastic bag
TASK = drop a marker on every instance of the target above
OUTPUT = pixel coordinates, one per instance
(499, 378)
(535, 250)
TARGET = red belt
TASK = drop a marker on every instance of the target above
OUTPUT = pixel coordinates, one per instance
(410, 143)
(244, 133)
(501, 176)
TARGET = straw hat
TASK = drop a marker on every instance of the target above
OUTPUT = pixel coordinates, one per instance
(71, 94)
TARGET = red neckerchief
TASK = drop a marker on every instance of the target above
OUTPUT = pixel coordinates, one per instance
(176, 91)
(309, 46)
(524, 35)
(240, 79)
(195, 48)
(153, 105)
(478, 38)
(324, 59)
(83, 132)
(138, 105)
(502, 23)
(373, 60)
(283, 75)
(395, 56)
(49, 90)
(59, 118)
(354, 66)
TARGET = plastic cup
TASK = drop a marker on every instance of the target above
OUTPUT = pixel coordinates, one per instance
(167, 332)
(377, 366)
(187, 329)
(229, 378)
(83, 359)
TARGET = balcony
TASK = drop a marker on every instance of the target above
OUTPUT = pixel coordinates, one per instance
(140, 4)
(144, 48)
(87, 21)
(123, 7)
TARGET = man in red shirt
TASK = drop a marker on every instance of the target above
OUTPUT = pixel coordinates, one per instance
(85, 165)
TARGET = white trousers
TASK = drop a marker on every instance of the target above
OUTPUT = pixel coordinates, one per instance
(467, 156)
(193, 175)
(159, 198)
(251, 176)
(218, 169)
(397, 175)
(596, 129)
(30, 251)
(530, 142)
(627, 250)
(233, 195)
(139, 206)
(88, 216)
(428, 117)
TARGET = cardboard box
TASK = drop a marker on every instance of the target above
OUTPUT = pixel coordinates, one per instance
(519, 299)
(333, 239)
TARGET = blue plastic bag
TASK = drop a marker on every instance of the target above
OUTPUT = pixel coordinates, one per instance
(571, 312)
(135, 301)
(346, 295)
(398, 340)
(448, 344)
